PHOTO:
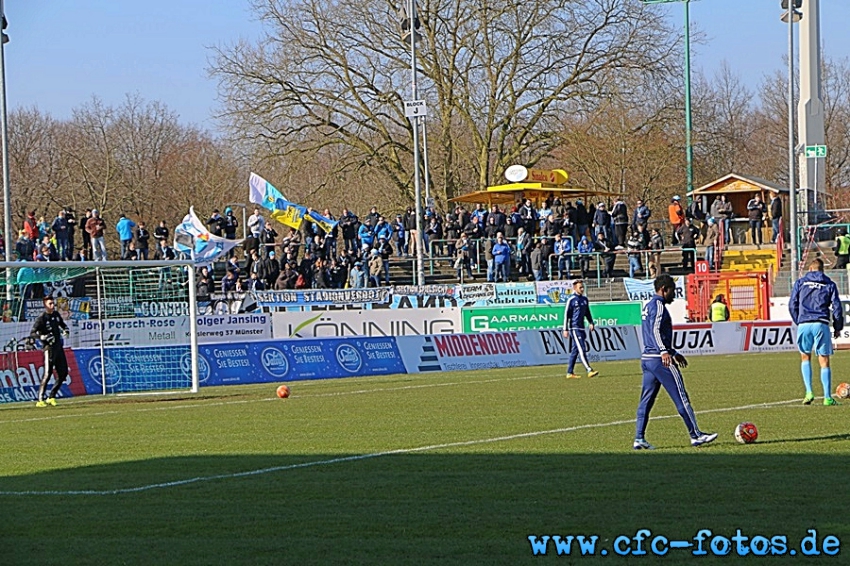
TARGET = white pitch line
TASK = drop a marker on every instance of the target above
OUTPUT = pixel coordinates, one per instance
(200, 404)
(417, 449)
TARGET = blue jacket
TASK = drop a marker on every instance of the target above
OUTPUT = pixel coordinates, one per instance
(125, 228)
(577, 311)
(813, 297)
(501, 252)
(366, 235)
(585, 246)
(657, 328)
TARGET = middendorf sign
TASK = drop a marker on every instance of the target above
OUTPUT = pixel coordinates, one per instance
(492, 319)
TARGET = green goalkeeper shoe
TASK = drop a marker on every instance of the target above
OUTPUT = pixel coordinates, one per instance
(40, 404)
(807, 400)
(51, 401)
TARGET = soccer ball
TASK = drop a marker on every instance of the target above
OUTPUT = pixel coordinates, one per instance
(283, 391)
(746, 433)
(843, 390)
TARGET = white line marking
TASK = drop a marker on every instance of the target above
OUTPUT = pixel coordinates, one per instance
(357, 457)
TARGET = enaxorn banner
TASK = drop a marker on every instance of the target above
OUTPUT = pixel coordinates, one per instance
(607, 343)
(375, 322)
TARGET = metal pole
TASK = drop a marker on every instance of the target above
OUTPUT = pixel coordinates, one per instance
(193, 328)
(420, 266)
(425, 157)
(689, 149)
(4, 135)
(792, 191)
(100, 312)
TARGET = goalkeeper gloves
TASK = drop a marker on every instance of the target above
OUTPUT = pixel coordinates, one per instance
(48, 339)
(65, 333)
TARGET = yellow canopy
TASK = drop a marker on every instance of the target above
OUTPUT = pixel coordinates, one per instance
(537, 192)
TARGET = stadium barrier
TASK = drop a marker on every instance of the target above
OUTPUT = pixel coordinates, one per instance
(271, 361)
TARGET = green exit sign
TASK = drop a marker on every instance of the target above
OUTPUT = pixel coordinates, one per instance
(814, 151)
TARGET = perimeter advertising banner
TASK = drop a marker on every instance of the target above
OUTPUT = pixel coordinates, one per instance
(374, 322)
(524, 317)
(21, 373)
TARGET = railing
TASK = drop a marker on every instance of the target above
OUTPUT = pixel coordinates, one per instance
(780, 245)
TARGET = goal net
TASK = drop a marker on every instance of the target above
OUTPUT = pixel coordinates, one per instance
(131, 326)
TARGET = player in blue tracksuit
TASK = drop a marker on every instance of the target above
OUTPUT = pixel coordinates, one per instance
(813, 299)
(577, 311)
(660, 364)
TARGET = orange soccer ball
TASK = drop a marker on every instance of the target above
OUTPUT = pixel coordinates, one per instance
(842, 391)
(283, 391)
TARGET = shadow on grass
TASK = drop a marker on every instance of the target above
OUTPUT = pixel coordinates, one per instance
(836, 437)
(412, 509)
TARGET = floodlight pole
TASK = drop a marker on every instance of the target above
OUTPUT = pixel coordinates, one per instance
(420, 262)
(792, 190)
(4, 146)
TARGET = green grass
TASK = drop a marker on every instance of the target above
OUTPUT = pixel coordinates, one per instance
(323, 492)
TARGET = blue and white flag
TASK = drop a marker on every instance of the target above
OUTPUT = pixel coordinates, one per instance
(192, 238)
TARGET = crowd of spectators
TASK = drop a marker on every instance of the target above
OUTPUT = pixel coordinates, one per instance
(555, 240)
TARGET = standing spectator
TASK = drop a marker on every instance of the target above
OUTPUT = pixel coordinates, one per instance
(86, 235)
(635, 246)
(254, 283)
(268, 237)
(510, 231)
(677, 216)
(376, 265)
(842, 249)
(756, 211)
(687, 239)
(142, 241)
(31, 227)
(585, 249)
(230, 282)
(721, 210)
(813, 299)
(216, 223)
(160, 234)
(43, 229)
(536, 260)
(523, 249)
(491, 262)
(82, 255)
(124, 227)
(563, 249)
(399, 235)
(660, 364)
(529, 217)
(96, 227)
(256, 223)
(502, 259)
(719, 311)
(230, 225)
(711, 236)
(620, 215)
(575, 313)
(583, 218)
(373, 215)
(71, 219)
(349, 224)
(695, 214)
(775, 216)
(357, 277)
(410, 232)
(386, 251)
(205, 284)
(60, 229)
(270, 270)
(641, 214)
(164, 251)
(366, 235)
(24, 247)
(601, 221)
(462, 258)
(656, 244)
(604, 247)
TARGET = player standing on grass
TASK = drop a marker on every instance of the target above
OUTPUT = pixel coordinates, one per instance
(578, 309)
(660, 364)
(813, 298)
(50, 328)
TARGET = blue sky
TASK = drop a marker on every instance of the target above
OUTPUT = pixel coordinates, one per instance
(65, 51)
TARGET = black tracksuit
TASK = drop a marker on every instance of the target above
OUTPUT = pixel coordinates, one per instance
(48, 328)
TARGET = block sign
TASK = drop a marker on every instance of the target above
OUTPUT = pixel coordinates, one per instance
(414, 108)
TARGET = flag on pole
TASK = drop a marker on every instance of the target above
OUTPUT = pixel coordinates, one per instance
(191, 237)
(288, 213)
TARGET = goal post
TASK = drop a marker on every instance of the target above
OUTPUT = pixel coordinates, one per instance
(133, 324)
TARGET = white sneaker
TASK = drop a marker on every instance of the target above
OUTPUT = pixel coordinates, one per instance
(703, 439)
(642, 444)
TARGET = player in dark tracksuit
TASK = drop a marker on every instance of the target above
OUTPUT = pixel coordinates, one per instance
(50, 328)
(576, 312)
(660, 364)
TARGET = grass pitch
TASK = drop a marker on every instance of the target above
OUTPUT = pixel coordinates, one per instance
(440, 468)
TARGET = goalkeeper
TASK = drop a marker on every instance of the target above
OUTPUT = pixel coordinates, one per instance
(50, 329)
